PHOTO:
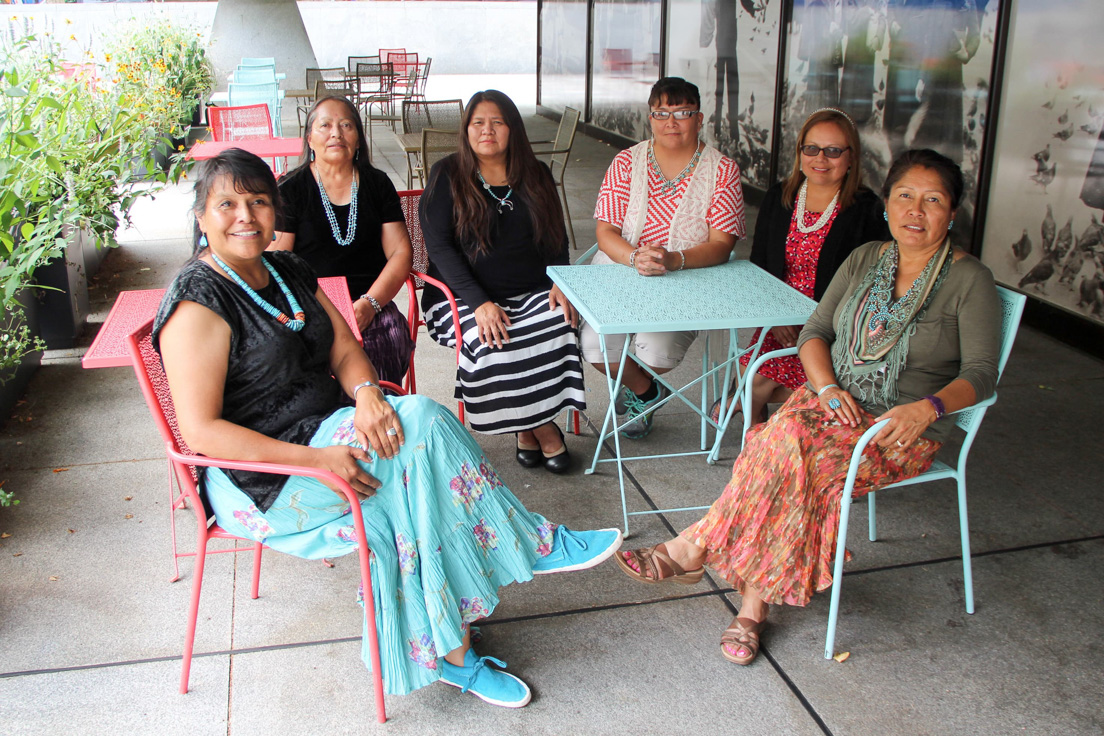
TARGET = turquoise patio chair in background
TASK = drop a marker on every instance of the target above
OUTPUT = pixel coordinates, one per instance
(267, 93)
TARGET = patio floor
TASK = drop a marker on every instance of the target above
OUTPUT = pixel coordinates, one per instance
(91, 630)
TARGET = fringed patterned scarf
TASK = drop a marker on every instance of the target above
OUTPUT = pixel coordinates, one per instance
(872, 339)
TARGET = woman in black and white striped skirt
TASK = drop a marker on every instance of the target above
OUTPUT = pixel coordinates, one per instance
(492, 222)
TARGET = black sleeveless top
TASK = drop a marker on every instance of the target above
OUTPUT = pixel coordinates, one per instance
(278, 382)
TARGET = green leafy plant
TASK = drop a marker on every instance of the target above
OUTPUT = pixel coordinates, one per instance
(77, 149)
(161, 70)
(7, 498)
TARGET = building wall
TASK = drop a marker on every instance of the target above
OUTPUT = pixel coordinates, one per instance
(453, 32)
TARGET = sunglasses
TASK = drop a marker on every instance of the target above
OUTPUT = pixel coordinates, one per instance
(830, 151)
(679, 114)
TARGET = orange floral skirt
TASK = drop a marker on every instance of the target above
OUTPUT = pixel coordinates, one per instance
(775, 526)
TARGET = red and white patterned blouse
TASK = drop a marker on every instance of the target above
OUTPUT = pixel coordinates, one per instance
(726, 209)
(802, 256)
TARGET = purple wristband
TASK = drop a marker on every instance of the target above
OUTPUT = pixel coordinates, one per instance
(937, 404)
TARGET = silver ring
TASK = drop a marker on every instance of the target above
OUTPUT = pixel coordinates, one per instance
(834, 404)
(391, 431)
(900, 443)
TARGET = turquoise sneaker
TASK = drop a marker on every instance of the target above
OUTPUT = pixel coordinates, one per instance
(621, 401)
(577, 550)
(641, 413)
(489, 685)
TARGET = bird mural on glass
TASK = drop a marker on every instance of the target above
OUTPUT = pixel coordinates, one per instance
(1064, 240)
(1048, 229)
(1021, 249)
(1040, 273)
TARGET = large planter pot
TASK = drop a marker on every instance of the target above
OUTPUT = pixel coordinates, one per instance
(16, 384)
(94, 253)
(63, 308)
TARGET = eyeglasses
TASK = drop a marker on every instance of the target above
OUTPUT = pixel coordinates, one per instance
(830, 151)
(678, 114)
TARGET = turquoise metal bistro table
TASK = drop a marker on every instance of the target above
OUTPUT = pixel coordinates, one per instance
(616, 300)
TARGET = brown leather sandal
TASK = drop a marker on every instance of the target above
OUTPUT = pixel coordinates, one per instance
(648, 561)
(742, 634)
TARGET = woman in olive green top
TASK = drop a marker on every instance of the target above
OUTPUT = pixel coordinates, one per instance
(907, 331)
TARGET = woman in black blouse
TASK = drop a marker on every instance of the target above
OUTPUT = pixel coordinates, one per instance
(807, 226)
(492, 223)
(344, 218)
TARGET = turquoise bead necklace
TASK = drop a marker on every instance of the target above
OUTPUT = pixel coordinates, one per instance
(668, 184)
(502, 201)
(328, 207)
(294, 325)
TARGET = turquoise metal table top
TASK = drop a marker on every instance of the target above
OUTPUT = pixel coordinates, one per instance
(615, 299)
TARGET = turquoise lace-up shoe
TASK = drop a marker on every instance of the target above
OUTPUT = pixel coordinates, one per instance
(484, 682)
(578, 550)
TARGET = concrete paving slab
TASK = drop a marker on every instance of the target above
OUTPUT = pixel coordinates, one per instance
(578, 667)
(111, 600)
(1022, 663)
(73, 416)
(132, 699)
(1035, 359)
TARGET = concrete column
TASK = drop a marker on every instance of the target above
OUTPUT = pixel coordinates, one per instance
(261, 28)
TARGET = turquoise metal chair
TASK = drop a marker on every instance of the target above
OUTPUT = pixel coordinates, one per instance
(968, 420)
(254, 75)
(258, 61)
(267, 93)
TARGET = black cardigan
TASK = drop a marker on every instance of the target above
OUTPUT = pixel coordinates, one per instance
(860, 223)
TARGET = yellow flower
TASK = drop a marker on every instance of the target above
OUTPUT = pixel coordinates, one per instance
(107, 57)
(72, 37)
(68, 21)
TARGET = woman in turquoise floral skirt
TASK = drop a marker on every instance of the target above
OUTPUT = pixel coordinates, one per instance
(262, 367)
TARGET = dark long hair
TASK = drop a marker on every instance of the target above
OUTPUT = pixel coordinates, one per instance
(246, 171)
(362, 153)
(852, 181)
(529, 178)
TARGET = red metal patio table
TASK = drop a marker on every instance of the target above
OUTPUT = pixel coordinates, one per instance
(263, 147)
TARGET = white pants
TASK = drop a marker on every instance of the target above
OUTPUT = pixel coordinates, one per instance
(660, 350)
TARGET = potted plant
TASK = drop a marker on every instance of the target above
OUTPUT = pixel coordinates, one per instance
(163, 69)
(70, 135)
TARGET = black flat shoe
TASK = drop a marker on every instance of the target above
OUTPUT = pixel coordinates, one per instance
(558, 463)
(529, 457)
(561, 461)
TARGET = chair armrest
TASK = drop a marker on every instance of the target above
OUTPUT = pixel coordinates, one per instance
(752, 369)
(537, 143)
(552, 152)
(275, 468)
(452, 306)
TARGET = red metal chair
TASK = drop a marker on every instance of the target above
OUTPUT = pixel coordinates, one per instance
(417, 281)
(245, 122)
(182, 467)
(385, 54)
(406, 74)
(242, 123)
